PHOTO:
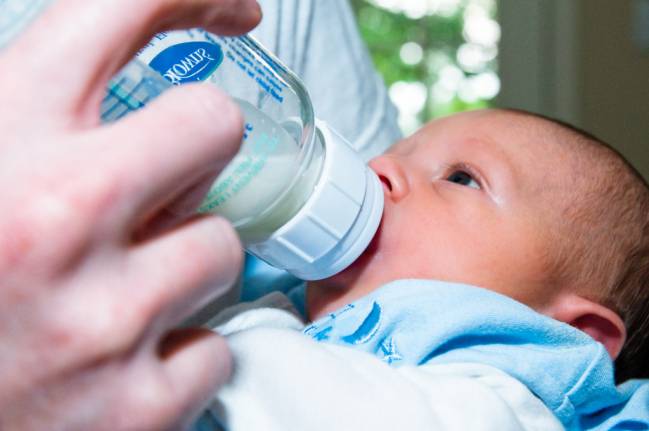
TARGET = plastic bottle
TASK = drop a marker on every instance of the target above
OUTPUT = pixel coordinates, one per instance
(299, 196)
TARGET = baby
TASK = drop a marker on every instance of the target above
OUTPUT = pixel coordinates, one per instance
(509, 271)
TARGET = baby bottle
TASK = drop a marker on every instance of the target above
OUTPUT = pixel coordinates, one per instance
(300, 198)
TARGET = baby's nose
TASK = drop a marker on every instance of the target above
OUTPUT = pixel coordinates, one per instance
(393, 176)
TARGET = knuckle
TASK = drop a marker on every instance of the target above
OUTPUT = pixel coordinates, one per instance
(119, 327)
(56, 213)
(76, 203)
(44, 230)
(100, 192)
(97, 325)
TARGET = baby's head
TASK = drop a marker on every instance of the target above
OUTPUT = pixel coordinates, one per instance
(521, 205)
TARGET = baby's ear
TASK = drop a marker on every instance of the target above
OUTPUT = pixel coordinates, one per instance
(596, 320)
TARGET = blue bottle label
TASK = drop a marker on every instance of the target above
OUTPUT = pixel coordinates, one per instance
(188, 62)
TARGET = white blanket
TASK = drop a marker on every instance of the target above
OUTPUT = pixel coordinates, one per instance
(285, 381)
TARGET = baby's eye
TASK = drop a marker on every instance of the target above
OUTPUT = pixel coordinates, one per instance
(463, 178)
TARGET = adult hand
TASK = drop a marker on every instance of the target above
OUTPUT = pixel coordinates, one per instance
(83, 304)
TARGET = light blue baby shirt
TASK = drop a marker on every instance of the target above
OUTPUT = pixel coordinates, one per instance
(420, 322)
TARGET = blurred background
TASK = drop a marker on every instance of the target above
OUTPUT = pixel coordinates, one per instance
(582, 61)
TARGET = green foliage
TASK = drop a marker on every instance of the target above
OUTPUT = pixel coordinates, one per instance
(385, 32)
(439, 36)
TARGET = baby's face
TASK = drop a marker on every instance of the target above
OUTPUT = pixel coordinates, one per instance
(465, 201)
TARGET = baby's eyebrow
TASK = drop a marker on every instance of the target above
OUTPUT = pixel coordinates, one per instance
(494, 163)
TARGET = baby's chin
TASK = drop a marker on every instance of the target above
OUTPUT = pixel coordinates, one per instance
(355, 272)
(327, 295)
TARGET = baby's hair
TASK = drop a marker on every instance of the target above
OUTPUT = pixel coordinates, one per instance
(607, 228)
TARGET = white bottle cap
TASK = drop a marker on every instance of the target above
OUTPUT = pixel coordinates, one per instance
(337, 222)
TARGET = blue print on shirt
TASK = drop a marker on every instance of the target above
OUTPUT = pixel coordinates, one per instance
(390, 351)
(368, 328)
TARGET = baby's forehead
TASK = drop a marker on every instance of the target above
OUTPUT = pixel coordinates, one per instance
(499, 132)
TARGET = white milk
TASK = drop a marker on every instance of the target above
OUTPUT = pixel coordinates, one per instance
(253, 190)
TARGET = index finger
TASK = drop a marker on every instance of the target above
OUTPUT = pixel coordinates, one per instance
(80, 44)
